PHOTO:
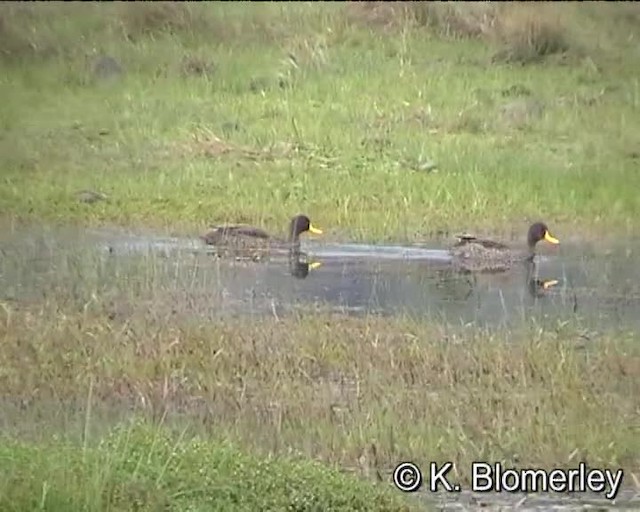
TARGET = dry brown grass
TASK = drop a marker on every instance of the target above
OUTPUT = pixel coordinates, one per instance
(456, 19)
(197, 66)
(153, 18)
(529, 33)
(204, 142)
(364, 393)
(524, 32)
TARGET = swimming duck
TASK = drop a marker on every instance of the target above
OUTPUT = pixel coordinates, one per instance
(243, 240)
(476, 254)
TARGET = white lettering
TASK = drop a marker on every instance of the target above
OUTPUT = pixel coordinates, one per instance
(596, 480)
(440, 476)
(558, 481)
(614, 483)
(493, 478)
(514, 476)
(535, 480)
(481, 472)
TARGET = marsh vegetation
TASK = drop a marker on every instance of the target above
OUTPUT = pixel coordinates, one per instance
(383, 122)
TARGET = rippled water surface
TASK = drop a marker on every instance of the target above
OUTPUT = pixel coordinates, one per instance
(598, 287)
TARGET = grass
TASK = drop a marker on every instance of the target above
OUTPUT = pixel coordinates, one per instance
(362, 393)
(146, 468)
(381, 122)
(340, 114)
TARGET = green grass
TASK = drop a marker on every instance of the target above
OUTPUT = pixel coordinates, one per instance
(146, 468)
(360, 112)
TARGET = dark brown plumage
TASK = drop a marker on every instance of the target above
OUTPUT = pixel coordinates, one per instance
(242, 240)
(476, 254)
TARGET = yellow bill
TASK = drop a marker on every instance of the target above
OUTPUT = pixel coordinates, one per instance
(314, 265)
(548, 284)
(550, 239)
(314, 230)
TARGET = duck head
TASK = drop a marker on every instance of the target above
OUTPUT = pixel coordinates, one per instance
(300, 224)
(539, 231)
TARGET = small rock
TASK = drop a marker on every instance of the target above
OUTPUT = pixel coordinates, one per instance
(106, 67)
(518, 113)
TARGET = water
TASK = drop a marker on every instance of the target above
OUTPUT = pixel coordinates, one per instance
(419, 281)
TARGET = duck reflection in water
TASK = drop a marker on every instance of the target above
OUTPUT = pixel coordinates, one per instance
(299, 264)
(536, 286)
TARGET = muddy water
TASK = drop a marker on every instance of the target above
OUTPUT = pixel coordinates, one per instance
(173, 276)
(599, 289)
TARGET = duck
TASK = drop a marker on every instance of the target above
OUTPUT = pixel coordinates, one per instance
(243, 240)
(476, 254)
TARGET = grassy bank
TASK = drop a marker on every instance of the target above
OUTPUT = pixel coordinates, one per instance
(145, 468)
(361, 393)
(379, 122)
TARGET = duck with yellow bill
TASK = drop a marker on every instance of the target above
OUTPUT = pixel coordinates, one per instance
(477, 255)
(243, 240)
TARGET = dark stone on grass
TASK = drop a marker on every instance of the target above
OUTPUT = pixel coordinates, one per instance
(106, 67)
(518, 113)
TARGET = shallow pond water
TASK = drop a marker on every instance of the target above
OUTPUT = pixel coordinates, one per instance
(597, 287)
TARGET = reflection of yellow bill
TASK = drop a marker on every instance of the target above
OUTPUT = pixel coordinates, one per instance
(548, 284)
(314, 264)
(550, 239)
(314, 230)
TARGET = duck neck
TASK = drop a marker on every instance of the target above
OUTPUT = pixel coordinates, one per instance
(530, 269)
(294, 241)
(294, 235)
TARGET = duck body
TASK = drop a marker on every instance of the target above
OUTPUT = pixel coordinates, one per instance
(483, 255)
(249, 242)
(232, 233)
(239, 241)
